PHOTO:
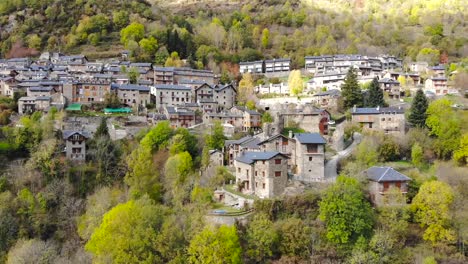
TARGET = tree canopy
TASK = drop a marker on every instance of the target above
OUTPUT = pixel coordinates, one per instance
(417, 116)
(351, 91)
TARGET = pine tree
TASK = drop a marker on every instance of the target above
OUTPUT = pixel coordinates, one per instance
(351, 91)
(102, 129)
(417, 116)
(376, 97)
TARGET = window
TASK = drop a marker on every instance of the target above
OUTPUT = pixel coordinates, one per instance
(310, 158)
(263, 185)
(370, 125)
(385, 186)
(311, 148)
(398, 185)
(239, 170)
(263, 174)
(389, 119)
(277, 173)
(383, 118)
(263, 162)
(277, 161)
(256, 184)
(255, 173)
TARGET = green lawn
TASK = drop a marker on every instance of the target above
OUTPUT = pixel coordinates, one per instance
(227, 208)
(230, 188)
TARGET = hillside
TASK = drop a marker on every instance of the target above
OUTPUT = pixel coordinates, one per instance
(213, 31)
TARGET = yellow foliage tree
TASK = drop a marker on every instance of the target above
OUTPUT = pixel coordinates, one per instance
(246, 89)
(295, 83)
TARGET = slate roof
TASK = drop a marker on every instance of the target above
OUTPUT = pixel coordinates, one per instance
(251, 157)
(171, 87)
(388, 80)
(68, 133)
(310, 138)
(329, 92)
(237, 142)
(376, 111)
(385, 174)
(130, 87)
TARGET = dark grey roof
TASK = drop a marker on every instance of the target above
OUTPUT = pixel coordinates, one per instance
(43, 98)
(171, 87)
(251, 157)
(385, 174)
(252, 112)
(310, 138)
(69, 133)
(237, 141)
(329, 92)
(439, 78)
(40, 89)
(130, 87)
(388, 80)
(376, 111)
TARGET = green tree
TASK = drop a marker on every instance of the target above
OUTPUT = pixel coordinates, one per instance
(120, 19)
(461, 154)
(417, 116)
(295, 83)
(149, 46)
(102, 129)
(173, 60)
(431, 207)
(215, 245)
(127, 233)
(367, 153)
(177, 182)
(142, 176)
(389, 150)
(430, 55)
(267, 118)
(34, 42)
(134, 31)
(182, 141)
(417, 155)
(133, 75)
(294, 238)
(376, 97)
(217, 138)
(265, 38)
(445, 125)
(111, 100)
(262, 238)
(350, 90)
(158, 137)
(161, 56)
(345, 212)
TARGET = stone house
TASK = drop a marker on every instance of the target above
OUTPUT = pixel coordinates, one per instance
(381, 179)
(328, 99)
(132, 95)
(390, 120)
(282, 144)
(8, 86)
(27, 105)
(235, 148)
(224, 117)
(390, 86)
(263, 174)
(307, 117)
(309, 157)
(225, 95)
(171, 95)
(254, 67)
(251, 121)
(179, 116)
(277, 65)
(75, 144)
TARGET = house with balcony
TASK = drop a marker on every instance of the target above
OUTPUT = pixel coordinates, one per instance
(381, 180)
(391, 87)
(180, 116)
(253, 67)
(171, 95)
(75, 145)
(264, 174)
(309, 157)
(132, 95)
(251, 120)
(437, 85)
(277, 65)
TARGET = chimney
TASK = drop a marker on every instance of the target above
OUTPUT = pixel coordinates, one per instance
(378, 107)
(290, 134)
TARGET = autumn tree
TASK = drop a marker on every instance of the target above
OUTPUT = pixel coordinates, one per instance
(417, 116)
(375, 97)
(215, 245)
(245, 89)
(265, 38)
(173, 60)
(350, 90)
(345, 211)
(431, 210)
(295, 83)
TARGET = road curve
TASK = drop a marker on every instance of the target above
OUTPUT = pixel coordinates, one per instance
(331, 165)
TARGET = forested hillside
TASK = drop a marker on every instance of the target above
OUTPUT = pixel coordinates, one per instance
(209, 32)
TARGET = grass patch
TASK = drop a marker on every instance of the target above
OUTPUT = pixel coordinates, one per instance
(230, 188)
(227, 208)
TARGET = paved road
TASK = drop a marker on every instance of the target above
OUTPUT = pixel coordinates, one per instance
(331, 166)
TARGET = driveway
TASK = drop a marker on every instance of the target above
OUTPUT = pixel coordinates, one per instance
(331, 166)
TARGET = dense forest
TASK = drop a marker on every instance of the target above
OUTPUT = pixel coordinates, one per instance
(208, 33)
